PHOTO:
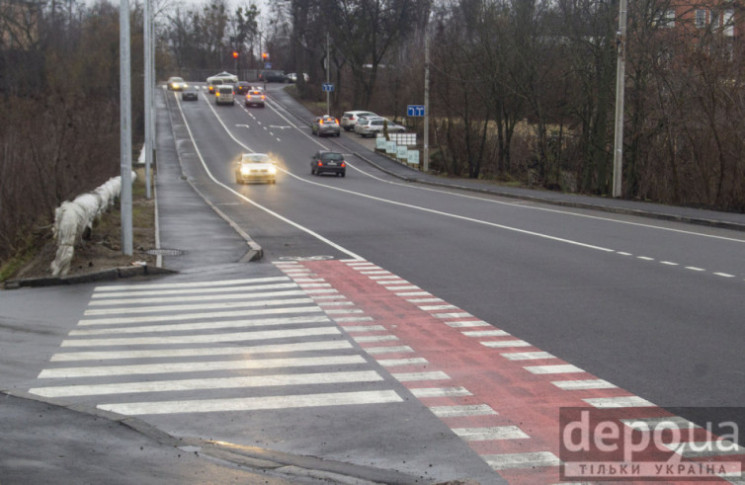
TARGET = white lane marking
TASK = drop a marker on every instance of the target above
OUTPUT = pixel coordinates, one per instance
(363, 328)
(376, 272)
(618, 402)
(694, 268)
(199, 306)
(343, 311)
(399, 362)
(183, 327)
(425, 300)
(581, 384)
(553, 369)
(251, 201)
(668, 422)
(325, 304)
(193, 298)
(527, 355)
(420, 376)
(466, 410)
(499, 344)
(724, 275)
(389, 349)
(452, 315)
(467, 324)
(197, 316)
(533, 460)
(254, 403)
(623, 253)
(201, 339)
(491, 433)
(373, 338)
(669, 263)
(433, 308)
(214, 383)
(198, 284)
(645, 258)
(413, 293)
(202, 352)
(398, 287)
(486, 333)
(352, 319)
(140, 369)
(387, 276)
(99, 296)
(425, 392)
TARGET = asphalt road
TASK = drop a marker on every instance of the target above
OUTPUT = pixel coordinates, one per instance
(497, 311)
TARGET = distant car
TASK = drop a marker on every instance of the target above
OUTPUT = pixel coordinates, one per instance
(176, 84)
(213, 84)
(255, 98)
(328, 162)
(325, 126)
(189, 93)
(225, 94)
(256, 167)
(371, 126)
(292, 77)
(349, 118)
(273, 76)
(241, 88)
(225, 77)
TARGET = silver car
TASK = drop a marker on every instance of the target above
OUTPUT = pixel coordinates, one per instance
(369, 127)
(325, 126)
(350, 118)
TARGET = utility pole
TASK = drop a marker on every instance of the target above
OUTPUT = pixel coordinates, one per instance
(125, 118)
(328, 74)
(148, 95)
(426, 101)
(620, 86)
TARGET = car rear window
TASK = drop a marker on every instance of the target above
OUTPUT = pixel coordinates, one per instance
(332, 156)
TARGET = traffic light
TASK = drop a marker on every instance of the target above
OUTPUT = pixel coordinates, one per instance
(235, 54)
(265, 55)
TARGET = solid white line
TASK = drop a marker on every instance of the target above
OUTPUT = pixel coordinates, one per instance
(576, 385)
(254, 403)
(194, 298)
(182, 327)
(201, 352)
(420, 376)
(215, 383)
(425, 392)
(195, 284)
(196, 316)
(553, 369)
(199, 306)
(102, 296)
(618, 402)
(389, 349)
(399, 362)
(201, 339)
(466, 410)
(533, 460)
(251, 201)
(163, 368)
(527, 355)
(491, 433)
(499, 344)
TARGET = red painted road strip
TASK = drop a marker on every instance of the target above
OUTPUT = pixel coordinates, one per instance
(497, 392)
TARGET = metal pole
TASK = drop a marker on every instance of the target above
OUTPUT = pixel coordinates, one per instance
(328, 74)
(125, 118)
(426, 102)
(148, 96)
(620, 85)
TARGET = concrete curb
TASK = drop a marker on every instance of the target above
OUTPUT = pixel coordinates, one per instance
(251, 457)
(103, 275)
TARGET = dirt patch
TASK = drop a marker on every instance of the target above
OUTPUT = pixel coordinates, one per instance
(102, 249)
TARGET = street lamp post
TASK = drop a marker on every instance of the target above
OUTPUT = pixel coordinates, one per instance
(620, 85)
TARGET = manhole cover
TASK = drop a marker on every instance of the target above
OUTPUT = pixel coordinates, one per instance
(165, 252)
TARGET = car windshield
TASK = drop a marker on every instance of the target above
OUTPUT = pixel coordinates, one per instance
(255, 158)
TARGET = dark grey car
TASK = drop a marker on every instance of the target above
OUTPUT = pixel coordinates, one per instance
(328, 162)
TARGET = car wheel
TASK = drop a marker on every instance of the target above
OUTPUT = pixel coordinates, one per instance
(344, 174)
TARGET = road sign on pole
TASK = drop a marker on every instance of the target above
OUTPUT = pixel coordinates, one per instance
(415, 110)
(327, 88)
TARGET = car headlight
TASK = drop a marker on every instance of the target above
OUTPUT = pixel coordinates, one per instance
(245, 170)
(273, 170)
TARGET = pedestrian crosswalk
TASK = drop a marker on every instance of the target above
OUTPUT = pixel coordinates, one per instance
(246, 344)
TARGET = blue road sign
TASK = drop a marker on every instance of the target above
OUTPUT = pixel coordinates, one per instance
(327, 87)
(415, 110)
(267, 65)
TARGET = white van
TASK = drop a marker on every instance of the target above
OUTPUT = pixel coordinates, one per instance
(224, 94)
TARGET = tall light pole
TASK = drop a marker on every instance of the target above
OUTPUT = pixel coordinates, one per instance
(328, 75)
(425, 153)
(125, 118)
(147, 41)
(620, 85)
